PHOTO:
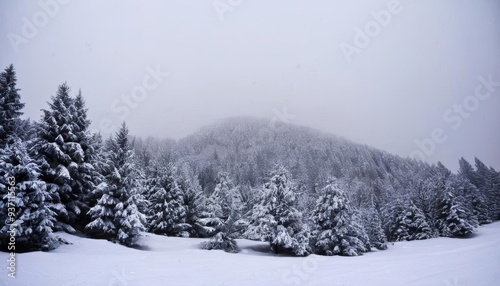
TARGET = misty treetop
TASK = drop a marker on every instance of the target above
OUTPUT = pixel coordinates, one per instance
(300, 190)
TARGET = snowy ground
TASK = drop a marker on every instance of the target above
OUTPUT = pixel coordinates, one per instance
(179, 261)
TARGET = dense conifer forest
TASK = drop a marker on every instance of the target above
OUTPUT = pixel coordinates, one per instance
(301, 190)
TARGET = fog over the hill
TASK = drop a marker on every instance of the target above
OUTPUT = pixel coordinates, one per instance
(409, 77)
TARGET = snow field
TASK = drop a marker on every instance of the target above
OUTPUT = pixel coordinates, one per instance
(180, 261)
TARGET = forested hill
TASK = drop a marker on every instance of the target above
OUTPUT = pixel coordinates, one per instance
(248, 148)
(301, 190)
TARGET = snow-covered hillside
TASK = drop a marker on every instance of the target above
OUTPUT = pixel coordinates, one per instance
(180, 261)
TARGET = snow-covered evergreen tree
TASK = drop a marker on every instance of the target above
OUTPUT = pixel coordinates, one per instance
(10, 104)
(116, 215)
(453, 220)
(225, 206)
(225, 197)
(413, 224)
(166, 203)
(373, 227)
(226, 233)
(487, 180)
(405, 221)
(25, 196)
(276, 219)
(336, 229)
(200, 222)
(226, 200)
(471, 198)
(65, 156)
(467, 171)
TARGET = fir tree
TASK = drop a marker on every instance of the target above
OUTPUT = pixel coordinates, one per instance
(225, 237)
(226, 200)
(276, 219)
(487, 183)
(166, 204)
(337, 230)
(64, 152)
(10, 104)
(116, 215)
(453, 220)
(225, 197)
(373, 227)
(405, 221)
(22, 192)
(201, 222)
(413, 225)
(471, 198)
(225, 206)
(496, 192)
(467, 171)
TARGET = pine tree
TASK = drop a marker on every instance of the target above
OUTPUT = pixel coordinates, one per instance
(414, 224)
(471, 198)
(226, 200)
(10, 104)
(496, 192)
(336, 229)
(467, 171)
(373, 227)
(166, 204)
(225, 206)
(276, 220)
(405, 221)
(424, 196)
(202, 223)
(225, 197)
(25, 196)
(116, 215)
(487, 184)
(63, 150)
(453, 220)
(225, 237)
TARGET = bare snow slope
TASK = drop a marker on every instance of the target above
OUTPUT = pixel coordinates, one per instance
(179, 261)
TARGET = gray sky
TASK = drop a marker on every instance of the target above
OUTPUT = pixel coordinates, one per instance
(386, 79)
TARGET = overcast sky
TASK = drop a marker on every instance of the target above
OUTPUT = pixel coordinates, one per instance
(388, 74)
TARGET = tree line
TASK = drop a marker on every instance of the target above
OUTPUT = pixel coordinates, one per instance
(301, 191)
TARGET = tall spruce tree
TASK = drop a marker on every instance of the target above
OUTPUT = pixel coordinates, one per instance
(166, 203)
(487, 184)
(116, 216)
(453, 219)
(65, 155)
(373, 226)
(471, 198)
(200, 222)
(336, 229)
(405, 221)
(225, 205)
(10, 104)
(276, 220)
(467, 171)
(23, 195)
